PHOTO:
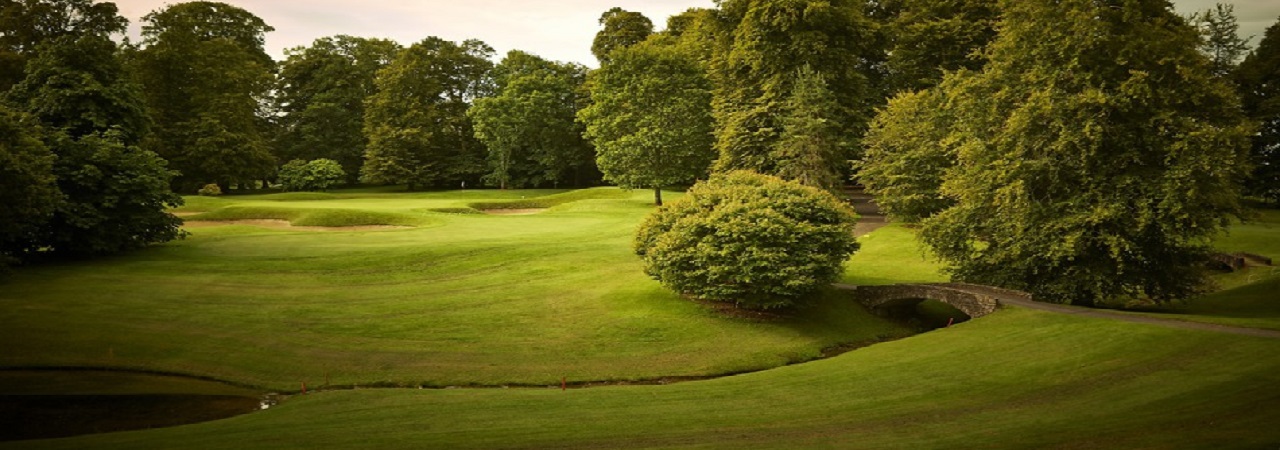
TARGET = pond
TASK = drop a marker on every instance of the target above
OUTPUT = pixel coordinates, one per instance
(41, 404)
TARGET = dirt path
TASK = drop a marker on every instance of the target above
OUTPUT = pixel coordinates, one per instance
(1023, 300)
(869, 216)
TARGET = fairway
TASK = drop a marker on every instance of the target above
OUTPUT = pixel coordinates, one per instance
(465, 304)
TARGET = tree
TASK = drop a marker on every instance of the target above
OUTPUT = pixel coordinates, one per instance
(929, 37)
(317, 175)
(762, 47)
(113, 195)
(1258, 78)
(1220, 34)
(417, 124)
(755, 240)
(908, 150)
(622, 29)
(206, 77)
(28, 192)
(1094, 156)
(809, 148)
(25, 24)
(529, 126)
(321, 92)
(650, 118)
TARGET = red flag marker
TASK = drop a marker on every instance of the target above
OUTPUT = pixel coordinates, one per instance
(950, 321)
(304, 387)
(563, 385)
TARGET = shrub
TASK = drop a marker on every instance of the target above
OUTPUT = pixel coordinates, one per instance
(210, 190)
(317, 175)
(751, 239)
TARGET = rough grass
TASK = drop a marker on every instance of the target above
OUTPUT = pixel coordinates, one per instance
(550, 201)
(314, 217)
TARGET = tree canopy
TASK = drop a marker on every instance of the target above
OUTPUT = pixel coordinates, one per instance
(417, 126)
(529, 126)
(206, 76)
(1094, 156)
(320, 94)
(621, 29)
(1258, 78)
(649, 118)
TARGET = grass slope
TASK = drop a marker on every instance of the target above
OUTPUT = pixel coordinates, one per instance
(1015, 379)
(478, 299)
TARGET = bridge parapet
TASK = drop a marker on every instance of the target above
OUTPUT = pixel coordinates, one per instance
(975, 301)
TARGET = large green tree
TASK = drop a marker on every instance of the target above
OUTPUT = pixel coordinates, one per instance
(206, 76)
(529, 125)
(417, 126)
(649, 118)
(320, 93)
(1094, 156)
(1258, 78)
(928, 37)
(621, 29)
(28, 193)
(114, 195)
(25, 24)
(762, 47)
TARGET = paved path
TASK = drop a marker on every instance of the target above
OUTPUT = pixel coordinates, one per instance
(869, 216)
(1023, 300)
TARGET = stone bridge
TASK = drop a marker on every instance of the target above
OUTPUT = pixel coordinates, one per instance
(974, 300)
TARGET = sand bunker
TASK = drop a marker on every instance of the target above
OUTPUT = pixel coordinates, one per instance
(283, 225)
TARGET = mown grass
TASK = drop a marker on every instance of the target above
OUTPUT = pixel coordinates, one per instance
(474, 300)
(493, 300)
(1015, 379)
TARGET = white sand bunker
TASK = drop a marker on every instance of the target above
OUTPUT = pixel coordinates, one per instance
(283, 225)
(513, 212)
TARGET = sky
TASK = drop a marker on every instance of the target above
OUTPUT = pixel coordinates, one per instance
(560, 30)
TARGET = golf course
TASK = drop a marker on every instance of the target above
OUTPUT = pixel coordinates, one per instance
(522, 319)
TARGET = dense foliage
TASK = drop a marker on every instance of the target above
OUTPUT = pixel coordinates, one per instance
(111, 195)
(417, 125)
(315, 175)
(755, 240)
(320, 94)
(205, 75)
(529, 125)
(620, 29)
(650, 118)
(928, 37)
(1259, 80)
(1090, 160)
(27, 184)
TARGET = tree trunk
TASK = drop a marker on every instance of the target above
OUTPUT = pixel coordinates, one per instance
(657, 196)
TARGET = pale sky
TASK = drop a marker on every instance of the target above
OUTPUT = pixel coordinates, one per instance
(560, 30)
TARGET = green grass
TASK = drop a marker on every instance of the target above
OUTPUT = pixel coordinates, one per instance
(892, 255)
(1015, 379)
(476, 299)
(526, 300)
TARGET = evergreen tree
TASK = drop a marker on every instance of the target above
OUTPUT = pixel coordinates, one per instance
(808, 151)
(761, 47)
(929, 37)
(28, 192)
(1221, 41)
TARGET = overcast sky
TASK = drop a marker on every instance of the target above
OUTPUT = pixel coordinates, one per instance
(555, 29)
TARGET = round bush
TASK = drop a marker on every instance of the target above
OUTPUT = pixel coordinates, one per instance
(317, 175)
(751, 239)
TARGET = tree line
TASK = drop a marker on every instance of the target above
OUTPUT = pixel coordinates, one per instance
(1004, 128)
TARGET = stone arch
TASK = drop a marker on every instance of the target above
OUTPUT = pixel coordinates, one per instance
(974, 304)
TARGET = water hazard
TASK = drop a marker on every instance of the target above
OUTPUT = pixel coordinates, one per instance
(41, 404)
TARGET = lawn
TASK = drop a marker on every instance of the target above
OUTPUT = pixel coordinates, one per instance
(470, 299)
(524, 301)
